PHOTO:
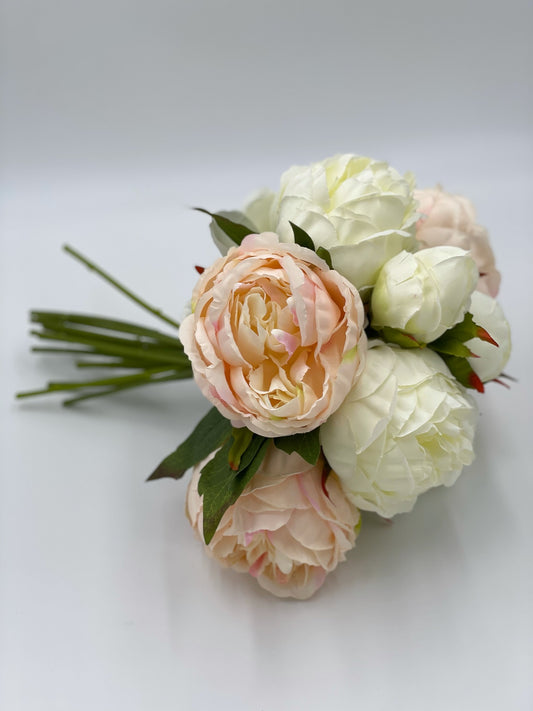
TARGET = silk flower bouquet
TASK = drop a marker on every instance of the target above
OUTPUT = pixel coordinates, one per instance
(338, 339)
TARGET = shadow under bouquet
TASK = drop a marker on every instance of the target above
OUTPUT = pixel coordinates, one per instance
(338, 339)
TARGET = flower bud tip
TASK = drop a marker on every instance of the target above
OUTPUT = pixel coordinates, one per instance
(476, 382)
(485, 336)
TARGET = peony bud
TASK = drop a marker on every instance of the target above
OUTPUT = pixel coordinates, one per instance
(426, 293)
(289, 529)
(491, 360)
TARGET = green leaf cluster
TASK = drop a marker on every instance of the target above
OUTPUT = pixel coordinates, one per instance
(239, 454)
(451, 347)
(237, 232)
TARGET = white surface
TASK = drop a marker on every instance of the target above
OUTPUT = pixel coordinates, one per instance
(117, 116)
(107, 600)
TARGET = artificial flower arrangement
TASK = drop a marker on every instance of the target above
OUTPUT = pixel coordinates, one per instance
(337, 339)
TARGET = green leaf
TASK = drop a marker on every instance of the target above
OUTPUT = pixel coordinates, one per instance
(251, 452)
(301, 237)
(324, 254)
(466, 330)
(234, 230)
(394, 335)
(221, 486)
(450, 346)
(463, 371)
(209, 434)
(307, 445)
(242, 438)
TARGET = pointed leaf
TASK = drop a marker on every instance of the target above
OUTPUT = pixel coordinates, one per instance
(242, 438)
(324, 254)
(307, 445)
(468, 329)
(301, 237)
(463, 371)
(208, 435)
(394, 335)
(234, 230)
(221, 486)
(451, 346)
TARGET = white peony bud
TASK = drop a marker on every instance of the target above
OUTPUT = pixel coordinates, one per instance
(426, 293)
(488, 314)
(405, 427)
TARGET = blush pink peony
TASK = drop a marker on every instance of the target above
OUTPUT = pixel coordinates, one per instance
(451, 220)
(276, 339)
(289, 528)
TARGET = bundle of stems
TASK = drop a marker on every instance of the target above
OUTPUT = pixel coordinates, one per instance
(148, 355)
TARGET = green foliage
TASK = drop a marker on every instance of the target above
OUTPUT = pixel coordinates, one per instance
(399, 338)
(242, 438)
(450, 346)
(209, 434)
(463, 371)
(234, 230)
(301, 237)
(221, 486)
(324, 254)
(307, 445)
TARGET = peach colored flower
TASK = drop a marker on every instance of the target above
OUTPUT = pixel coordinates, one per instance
(288, 529)
(451, 220)
(276, 339)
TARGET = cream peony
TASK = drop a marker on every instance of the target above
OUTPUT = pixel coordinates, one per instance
(406, 427)
(288, 529)
(360, 209)
(488, 314)
(451, 219)
(276, 339)
(426, 293)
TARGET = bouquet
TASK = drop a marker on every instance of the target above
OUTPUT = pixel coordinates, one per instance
(338, 340)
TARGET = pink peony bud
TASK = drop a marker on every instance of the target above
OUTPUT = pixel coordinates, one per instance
(451, 220)
(289, 528)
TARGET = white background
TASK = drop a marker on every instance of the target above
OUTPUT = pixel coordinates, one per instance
(117, 116)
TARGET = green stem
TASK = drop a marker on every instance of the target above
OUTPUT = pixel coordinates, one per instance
(120, 388)
(58, 319)
(121, 381)
(110, 280)
(126, 364)
(95, 339)
(133, 351)
(70, 351)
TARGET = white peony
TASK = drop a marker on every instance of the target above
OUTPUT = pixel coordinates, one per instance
(405, 427)
(361, 210)
(488, 314)
(426, 293)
